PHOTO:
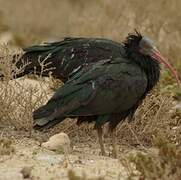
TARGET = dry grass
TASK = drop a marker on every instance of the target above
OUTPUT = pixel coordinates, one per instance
(103, 18)
(163, 165)
(154, 121)
(18, 98)
(6, 147)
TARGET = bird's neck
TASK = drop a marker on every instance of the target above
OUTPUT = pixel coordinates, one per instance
(150, 66)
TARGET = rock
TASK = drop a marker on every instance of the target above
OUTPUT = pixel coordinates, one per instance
(59, 142)
(49, 159)
(177, 106)
(26, 172)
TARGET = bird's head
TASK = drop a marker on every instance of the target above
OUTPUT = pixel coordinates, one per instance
(144, 46)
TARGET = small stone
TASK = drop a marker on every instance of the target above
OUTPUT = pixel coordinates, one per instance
(49, 159)
(177, 106)
(175, 127)
(59, 142)
(26, 172)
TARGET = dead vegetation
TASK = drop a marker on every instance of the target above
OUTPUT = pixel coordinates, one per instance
(6, 147)
(101, 18)
(18, 98)
(163, 165)
(156, 125)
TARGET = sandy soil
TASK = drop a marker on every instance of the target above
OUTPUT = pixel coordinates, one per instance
(45, 164)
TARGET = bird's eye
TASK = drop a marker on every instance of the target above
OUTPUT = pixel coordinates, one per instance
(147, 46)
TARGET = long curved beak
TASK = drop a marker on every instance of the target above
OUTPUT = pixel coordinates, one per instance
(157, 55)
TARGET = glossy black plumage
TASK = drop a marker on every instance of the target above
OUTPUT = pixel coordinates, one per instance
(104, 88)
(64, 58)
(105, 91)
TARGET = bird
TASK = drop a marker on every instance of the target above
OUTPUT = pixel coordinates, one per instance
(107, 91)
(62, 59)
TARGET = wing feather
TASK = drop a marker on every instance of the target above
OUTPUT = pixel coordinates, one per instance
(105, 88)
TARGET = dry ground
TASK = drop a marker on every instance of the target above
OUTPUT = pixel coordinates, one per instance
(149, 147)
(40, 163)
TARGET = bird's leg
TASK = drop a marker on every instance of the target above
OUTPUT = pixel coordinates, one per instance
(99, 132)
(114, 143)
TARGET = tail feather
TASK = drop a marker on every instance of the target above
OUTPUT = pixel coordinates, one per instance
(46, 124)
(43, 111)
(45, 117)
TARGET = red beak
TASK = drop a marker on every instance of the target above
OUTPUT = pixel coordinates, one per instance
(157, 55)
